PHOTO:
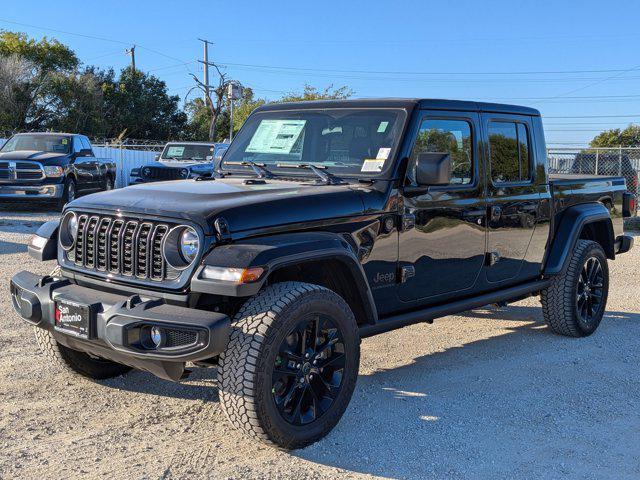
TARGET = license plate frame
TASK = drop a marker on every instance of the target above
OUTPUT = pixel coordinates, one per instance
(73, 318)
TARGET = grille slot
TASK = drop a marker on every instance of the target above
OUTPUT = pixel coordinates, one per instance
(179, 338)
(130, 248)
(161, 173)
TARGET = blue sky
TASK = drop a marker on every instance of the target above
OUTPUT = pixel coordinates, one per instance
(567, 58)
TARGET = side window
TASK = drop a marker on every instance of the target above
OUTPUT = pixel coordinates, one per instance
(446, 136)
(509, 152)
(77, 144)
(85, 143)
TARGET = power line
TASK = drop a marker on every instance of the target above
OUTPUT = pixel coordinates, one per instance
(94, 37)
(408, 72)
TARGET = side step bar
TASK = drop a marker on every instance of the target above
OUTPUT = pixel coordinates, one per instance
(429, 313)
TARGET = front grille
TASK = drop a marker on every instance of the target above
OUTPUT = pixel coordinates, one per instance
(12, 171)
(122, 247)
(179, 338)
(161, 173)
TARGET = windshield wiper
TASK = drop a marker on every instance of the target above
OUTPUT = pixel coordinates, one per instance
(326, 177)
(259, 168)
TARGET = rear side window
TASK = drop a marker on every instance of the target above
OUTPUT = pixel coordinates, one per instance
(446, 136)
(77, 144)
(85, 143)
(509, 152)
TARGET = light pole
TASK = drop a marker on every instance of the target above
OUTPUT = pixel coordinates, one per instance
(234, 92)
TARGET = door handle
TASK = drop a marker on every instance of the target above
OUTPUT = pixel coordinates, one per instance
(496, 212)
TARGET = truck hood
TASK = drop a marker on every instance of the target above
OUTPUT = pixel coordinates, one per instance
(245, 206)
(32, 155)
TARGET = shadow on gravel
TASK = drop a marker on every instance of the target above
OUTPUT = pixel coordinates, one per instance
(201, 385)
(9, 248)
(38, 207)
(460, 412)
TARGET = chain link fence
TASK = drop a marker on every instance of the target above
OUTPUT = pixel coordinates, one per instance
(623, 162)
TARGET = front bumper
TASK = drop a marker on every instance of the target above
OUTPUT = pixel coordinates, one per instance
(118, 321)
(20, 192)
(623, 244)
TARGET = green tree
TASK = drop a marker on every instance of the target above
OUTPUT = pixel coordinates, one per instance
(629, 137)
(312, 93)
(139, 105)
(78, 102)
(47, 55)
(200, 116)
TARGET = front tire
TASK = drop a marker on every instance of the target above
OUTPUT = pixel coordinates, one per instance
(68, 193)
(574, 303)
(77, 362)
(291, 364)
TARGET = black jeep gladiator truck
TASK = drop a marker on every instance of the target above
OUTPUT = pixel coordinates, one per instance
(327, 222)
(181, 160)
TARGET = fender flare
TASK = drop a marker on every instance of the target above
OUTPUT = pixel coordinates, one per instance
(277, 251)
(573, 220)
(49, 251)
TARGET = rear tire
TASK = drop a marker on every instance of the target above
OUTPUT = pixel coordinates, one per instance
(77, 362)
(291, 364)
(574, 303)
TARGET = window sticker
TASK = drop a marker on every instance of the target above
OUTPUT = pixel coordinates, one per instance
(371, 165)
(276, 136)
(383, 127)
(175, 151)
(383, 153)
(64, 141)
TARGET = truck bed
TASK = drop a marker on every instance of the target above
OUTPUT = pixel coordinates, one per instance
(573, 189)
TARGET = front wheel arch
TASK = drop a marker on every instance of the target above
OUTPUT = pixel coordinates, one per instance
(339, 274)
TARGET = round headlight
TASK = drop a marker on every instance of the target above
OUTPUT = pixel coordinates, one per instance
(146, 171)
(68, 230)
(72, 226)
(189, 245)
(181, 246)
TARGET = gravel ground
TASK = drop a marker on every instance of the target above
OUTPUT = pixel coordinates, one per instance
(487, 394)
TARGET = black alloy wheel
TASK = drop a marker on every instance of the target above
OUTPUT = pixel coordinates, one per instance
(308, 370)
(590, 291)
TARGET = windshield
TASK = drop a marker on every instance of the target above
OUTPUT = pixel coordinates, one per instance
(39, 143)
(344, 141)
(187, 152)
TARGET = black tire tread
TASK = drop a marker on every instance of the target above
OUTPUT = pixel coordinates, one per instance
(239, 364)
(558, 301)
(77, 362)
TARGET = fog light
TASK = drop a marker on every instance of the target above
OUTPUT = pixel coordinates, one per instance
(156, 336)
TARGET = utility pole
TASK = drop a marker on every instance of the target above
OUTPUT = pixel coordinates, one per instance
(132, 51)
(206, 68)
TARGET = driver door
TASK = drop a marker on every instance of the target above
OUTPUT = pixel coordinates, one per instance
(86, 166)
(443, 254)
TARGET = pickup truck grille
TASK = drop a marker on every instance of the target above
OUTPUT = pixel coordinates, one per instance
(12, 171)
(156, 174)
(121, 247)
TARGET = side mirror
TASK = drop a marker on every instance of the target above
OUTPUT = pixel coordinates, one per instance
(157, 157)
(85, 152)
(433, 169)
